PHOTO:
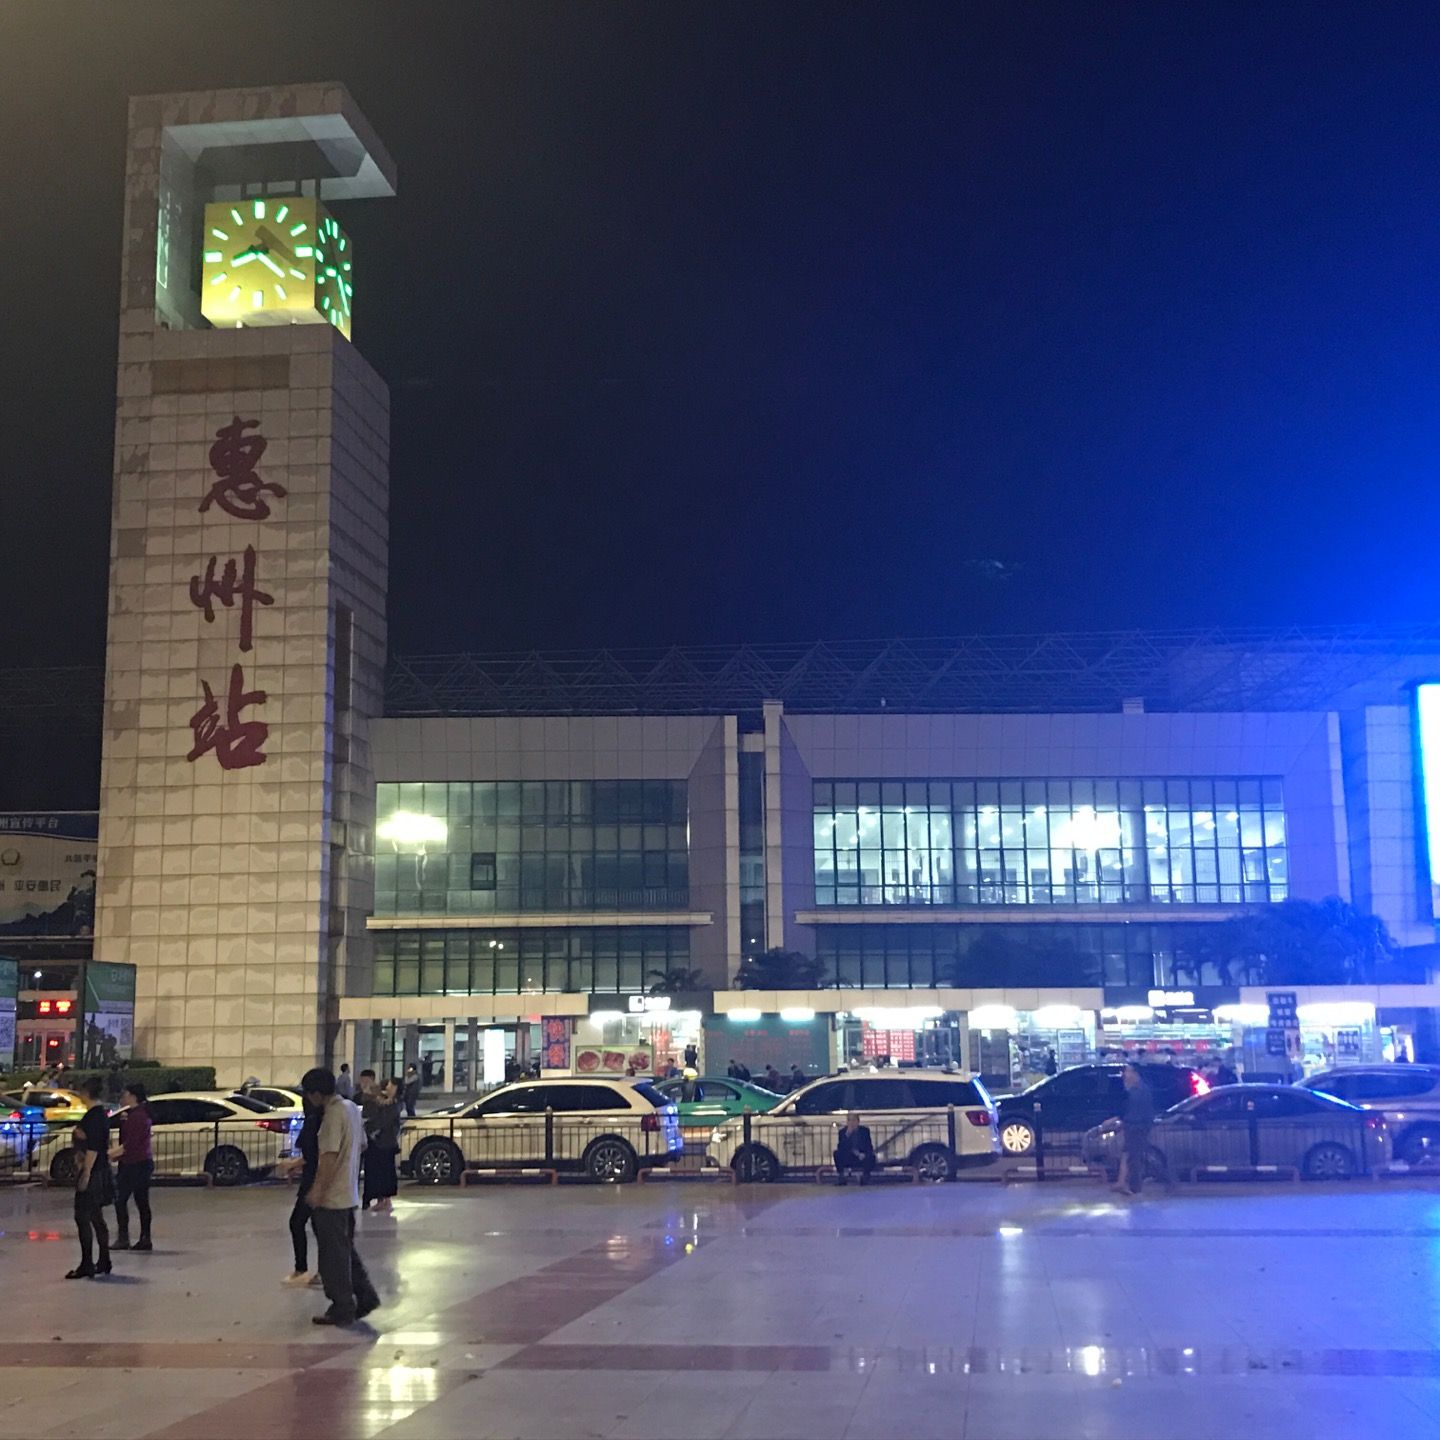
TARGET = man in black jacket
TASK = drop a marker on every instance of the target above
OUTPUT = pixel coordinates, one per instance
(854, 1150)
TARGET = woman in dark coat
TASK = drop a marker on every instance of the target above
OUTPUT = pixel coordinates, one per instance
(382, 1143)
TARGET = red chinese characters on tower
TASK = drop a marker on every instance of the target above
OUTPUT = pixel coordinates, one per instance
(238, 489)
(235, 582)
(220, 726)
(235, 740)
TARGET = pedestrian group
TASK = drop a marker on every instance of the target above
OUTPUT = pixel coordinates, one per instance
(341, 1124)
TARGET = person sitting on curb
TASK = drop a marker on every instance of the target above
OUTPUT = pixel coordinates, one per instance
(854, 1150)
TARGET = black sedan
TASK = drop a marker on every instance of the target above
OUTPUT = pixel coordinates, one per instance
(1254, 1128)
(1083, 1096)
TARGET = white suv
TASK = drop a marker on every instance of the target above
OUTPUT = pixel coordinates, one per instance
(908, 1113)
(197, 1132)
(604, 1128)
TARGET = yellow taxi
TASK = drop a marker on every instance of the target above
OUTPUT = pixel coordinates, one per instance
(61, 1107)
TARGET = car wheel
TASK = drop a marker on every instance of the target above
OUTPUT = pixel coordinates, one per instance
(610, 1161)
(755, 1164)
(933, 1164)
(65, 1168)
(227, 1166)
(1017, 1137)
(1419, 1144)
(437, 1162)
(1157, 1167)
(1329, 1162)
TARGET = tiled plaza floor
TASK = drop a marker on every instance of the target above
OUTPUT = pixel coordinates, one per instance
(975, 1311)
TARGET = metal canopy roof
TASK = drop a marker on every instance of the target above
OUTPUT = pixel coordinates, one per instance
(1294, 669)
(1303, 668)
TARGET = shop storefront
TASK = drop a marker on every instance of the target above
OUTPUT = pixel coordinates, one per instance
(637, 1035)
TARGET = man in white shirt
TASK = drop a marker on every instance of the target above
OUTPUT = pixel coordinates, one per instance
(333, 1197)
(345, 1084)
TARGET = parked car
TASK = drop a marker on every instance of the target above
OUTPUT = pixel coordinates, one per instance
(61, 1107)
(600, 1126)
(1408, 1096)
(907, 1113)
(1252, 1127)
(1084, 1096)
(228, 1137)
(717, 1098)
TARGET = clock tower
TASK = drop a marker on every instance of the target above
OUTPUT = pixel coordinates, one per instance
(246, 632)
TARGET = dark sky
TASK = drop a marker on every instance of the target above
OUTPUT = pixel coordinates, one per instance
(724, 321)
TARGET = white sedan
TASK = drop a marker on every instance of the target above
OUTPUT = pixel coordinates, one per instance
(196, 1133)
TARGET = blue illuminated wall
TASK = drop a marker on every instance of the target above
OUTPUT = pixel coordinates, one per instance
(1427, 715)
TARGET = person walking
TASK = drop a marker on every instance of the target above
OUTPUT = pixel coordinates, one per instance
(797, 1077)
(333, 1197)
(305, 1160)
(1136, 1123)
(411, 1090)
(94, 1186)
(381, 1113)
(345, 1084)
(135, 1164)
(854, 1150)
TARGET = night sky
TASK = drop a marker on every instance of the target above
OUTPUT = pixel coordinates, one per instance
(787, 321)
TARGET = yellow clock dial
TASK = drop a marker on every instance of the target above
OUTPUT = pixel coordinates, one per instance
(275, 260)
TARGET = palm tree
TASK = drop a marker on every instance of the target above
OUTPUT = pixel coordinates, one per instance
(674, 981)
(1305, 942)
(780, 969)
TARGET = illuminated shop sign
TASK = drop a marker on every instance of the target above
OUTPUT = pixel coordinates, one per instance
(1162, 999)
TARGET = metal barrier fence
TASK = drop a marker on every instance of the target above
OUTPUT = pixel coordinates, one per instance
(606, 1145)
(223, 1152)
(617, 1146)
(1315, 1146)
(929, 1145)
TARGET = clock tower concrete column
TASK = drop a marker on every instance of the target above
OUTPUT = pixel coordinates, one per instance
(246, 632)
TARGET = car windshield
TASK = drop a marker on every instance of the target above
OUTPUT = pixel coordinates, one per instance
(653, 1094)
(250, 1103)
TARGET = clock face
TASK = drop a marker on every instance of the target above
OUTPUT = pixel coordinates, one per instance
(276, 260)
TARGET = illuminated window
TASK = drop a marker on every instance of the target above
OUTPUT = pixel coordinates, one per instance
(1049, 842)
(505, 847)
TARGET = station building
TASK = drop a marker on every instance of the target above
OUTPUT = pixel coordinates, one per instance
(994, 848)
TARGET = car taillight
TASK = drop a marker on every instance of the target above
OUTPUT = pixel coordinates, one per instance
(1199, 1085)
(650, 1122)
(1374, 1122)
(279, 1127)
(978, 1118)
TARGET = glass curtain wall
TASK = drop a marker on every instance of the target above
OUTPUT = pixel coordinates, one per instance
(980, 955)
(1049, 842)
(504, 847)
(607, 959)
